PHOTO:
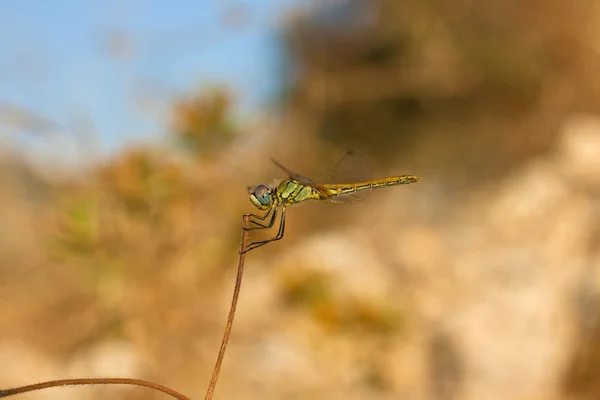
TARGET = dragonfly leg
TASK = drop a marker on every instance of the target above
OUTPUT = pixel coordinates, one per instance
(260, 217)
(279, 235)
(264, 226)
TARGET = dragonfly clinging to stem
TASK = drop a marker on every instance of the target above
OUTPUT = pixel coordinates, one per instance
(295, 189)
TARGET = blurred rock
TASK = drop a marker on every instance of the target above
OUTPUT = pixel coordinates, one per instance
(19, 363)
(115, 357)
(579, 149)
(357, 270)
(112, 358)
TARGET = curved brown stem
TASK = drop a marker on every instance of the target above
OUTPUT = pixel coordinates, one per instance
(234, 300)
(92, 381)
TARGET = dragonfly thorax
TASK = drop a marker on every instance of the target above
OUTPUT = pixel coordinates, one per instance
(261, 197)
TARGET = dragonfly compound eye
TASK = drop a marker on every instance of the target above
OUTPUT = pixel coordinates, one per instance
(261, 198)
(262, 195)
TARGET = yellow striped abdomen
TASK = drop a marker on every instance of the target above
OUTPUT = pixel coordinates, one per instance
(337, 189)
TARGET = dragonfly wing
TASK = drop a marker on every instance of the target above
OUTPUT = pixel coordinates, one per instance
(342, 164)
(348, 197)
(302, 179)
(352, 166)
(330, 195)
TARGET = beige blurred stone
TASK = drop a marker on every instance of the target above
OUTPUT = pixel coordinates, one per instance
(356, 269)
(524, 205)
(112, 358)
(23, 365)
(421, 249)
(579, 149)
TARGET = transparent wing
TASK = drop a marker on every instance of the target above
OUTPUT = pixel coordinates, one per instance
(302, 179)
(351, 167)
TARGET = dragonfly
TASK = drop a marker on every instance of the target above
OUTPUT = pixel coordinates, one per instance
(295, 189)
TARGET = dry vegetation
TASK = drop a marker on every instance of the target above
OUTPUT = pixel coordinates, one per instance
(480, 282)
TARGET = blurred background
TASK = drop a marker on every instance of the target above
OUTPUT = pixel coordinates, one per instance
(129, 134)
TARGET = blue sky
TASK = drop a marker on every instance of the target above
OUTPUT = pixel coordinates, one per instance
(54, 59)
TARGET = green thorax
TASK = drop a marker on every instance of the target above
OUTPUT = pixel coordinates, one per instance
(289, 191)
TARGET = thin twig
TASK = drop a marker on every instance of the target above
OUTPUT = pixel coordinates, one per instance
(92, 381)
(234, 300)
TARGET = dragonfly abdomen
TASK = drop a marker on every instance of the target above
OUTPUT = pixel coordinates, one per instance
(341, 188)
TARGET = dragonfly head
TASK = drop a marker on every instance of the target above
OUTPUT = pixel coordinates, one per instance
(261, 198)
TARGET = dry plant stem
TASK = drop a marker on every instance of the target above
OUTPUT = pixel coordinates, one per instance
(234, 300)
(92, 381)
